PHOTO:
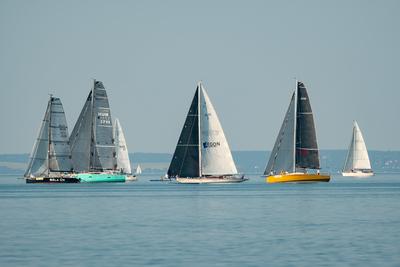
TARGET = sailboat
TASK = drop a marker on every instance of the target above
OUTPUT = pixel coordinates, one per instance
(50, 160)
(92, 142)
(295, 152)
(357, 161)
(123, 162)
(202, 154)
(138, 169)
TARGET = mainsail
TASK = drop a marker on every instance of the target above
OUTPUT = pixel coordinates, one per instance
(202, 149)
(51, 151)
(357, 156)
(92, 142)
(296, 145)
(306, 139)
(123, 162)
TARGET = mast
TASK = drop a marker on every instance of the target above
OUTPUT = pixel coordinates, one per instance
(92, 132)
(199, 125)
(354, 144)
(49, 136)
(295, 125)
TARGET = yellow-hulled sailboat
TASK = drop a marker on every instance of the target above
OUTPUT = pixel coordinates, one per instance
(295, 154)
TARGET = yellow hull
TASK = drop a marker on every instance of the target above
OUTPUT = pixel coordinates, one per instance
(297, 178)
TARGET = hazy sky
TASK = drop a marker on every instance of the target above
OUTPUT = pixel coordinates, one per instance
(150, 55)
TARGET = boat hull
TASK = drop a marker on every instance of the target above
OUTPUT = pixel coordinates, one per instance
(130, 178)
(101, 177)
(211, 180)
(297, 178)
(358, 174)
(52, 180)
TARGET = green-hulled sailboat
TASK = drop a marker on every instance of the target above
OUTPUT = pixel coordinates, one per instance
(92, 142)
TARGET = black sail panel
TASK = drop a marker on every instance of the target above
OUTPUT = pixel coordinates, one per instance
(306, 140)
(185, 161)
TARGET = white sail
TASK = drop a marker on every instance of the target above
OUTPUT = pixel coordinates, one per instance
(138, 169)
(357, 156)
(216, 157)
(282, 157)
(123, 162)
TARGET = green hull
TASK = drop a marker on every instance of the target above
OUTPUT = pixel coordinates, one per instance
(101, 177)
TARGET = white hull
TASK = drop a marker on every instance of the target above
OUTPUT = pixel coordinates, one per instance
(130, 178)
(357, 174)
(211, 180)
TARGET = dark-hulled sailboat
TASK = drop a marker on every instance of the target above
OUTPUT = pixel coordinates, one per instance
(92, 141)
(295, 152)
(202, 154)
(50, 160)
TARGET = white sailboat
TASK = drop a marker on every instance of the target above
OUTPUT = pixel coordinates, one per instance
(357, 161)
(138, 169)
(202, 154)
(121, 149)
(50, 160)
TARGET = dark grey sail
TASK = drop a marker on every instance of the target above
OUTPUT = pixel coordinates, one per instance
(92, 143)
(185, 161)
(81, 138)
(306, 140)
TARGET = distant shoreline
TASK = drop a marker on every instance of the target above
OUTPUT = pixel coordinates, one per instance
(251, 162)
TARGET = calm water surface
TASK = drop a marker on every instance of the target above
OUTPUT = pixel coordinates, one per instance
(347, 222)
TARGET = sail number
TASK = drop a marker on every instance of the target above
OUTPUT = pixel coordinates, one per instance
(104, 118)
(211, 144)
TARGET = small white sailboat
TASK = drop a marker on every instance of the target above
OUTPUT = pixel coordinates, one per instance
(122, 154)
(138, 169)
(357, 161)
(202, 154)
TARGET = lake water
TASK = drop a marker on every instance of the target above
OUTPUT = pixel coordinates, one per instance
(348, 222)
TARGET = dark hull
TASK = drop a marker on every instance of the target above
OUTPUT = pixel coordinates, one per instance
(52, 180)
